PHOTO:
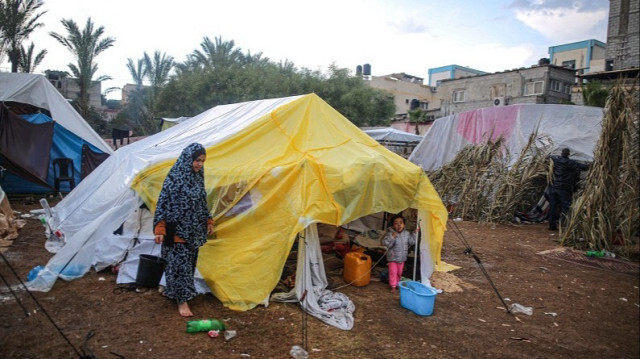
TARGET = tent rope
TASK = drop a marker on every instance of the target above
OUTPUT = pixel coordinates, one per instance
(40, 306)
(26, 312)
(470, 251)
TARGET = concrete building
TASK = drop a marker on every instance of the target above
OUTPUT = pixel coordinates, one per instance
(542, 84)
(127, 90)
(623, 35)
(70, 89)
(408, 91)
(438, 74)
(583, 56)
(622, 55)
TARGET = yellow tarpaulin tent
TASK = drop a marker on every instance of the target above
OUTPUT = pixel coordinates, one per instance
(301, 163)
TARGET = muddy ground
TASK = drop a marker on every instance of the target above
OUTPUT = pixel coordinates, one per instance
(578, 311)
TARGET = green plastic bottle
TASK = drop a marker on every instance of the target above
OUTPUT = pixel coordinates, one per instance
(595, 253)
(204, 325)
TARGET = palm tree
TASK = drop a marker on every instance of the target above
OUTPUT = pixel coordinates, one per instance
(85, 45)
(2, 53)
(28, 62)
(217, 54)
(137, 72)
(158, 69)
(18, 19)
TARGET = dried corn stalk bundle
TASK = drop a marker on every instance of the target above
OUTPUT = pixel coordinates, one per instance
(606, 211)
(523, 183)
(480, 185)
(463, 181)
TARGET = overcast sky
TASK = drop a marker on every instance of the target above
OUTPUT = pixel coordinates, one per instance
(408, 36)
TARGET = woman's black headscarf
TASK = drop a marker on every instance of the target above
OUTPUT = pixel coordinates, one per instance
(183, 199)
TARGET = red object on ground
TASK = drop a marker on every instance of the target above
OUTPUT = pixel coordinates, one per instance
(341, 249)
(327, 247)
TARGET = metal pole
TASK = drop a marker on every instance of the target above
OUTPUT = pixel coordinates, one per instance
(416, 249)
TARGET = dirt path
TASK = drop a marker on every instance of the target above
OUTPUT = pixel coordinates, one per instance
(578, 311)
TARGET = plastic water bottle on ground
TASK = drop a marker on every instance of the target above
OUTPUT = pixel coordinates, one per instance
(204, 325)
(519, 308)
(594, 253)
(229, 334)
(297, 352)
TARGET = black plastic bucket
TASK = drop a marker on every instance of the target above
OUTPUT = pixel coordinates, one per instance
(150, 271)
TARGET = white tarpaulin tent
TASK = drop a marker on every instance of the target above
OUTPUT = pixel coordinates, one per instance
(166, 122)
(575, 127)
(39, 128)
(397, 141)
(36, 90)
(393, 135)
(274, 169)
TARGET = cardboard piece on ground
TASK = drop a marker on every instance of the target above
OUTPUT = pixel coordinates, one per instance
(449, 282)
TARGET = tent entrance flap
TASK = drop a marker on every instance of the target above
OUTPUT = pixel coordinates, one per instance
(25, 147)
(311, 290)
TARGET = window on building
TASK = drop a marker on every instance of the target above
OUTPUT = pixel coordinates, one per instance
(533, 88)
(458, 96)
(567, 89)
(608, 65)
(556, 86)
(406, 101)
(570, 64)
(424, 105)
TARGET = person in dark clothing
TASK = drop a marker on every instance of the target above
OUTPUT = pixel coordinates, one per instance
(182, 222)
(562, 185)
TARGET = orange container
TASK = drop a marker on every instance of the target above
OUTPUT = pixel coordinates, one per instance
(357, 269)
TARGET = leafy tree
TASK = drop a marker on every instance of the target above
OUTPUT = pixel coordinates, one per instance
(595, 94)
(135, 115)
(138, 113)
(18, 19)
(28, 62)
(113, 104)
(218, 73)
(85, 45)
(97, 122)
(357, 101)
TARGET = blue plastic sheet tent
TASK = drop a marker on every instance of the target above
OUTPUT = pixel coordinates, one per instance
(64, 144)
(37, 126)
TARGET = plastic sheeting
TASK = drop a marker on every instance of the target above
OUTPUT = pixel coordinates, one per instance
(300, 163)
(36, 90)
(273, 168)
(25, 150)
(393, 135)
(311, 286)
(575, 127)
(170, 122)
(63, 143)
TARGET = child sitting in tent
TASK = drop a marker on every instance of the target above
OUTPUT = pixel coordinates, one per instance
(398, 241)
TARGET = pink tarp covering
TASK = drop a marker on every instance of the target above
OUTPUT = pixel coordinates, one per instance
(475, 125)
(575, 127)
